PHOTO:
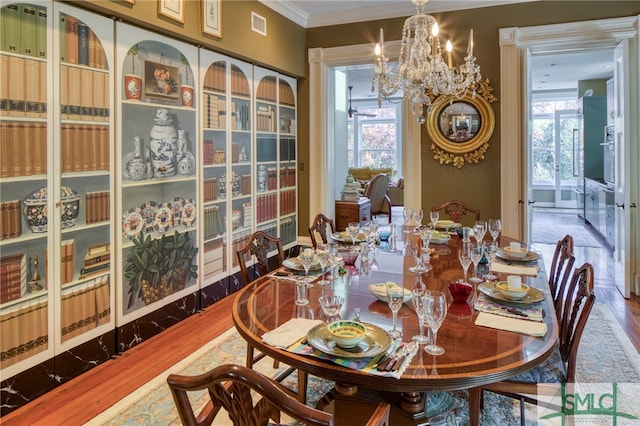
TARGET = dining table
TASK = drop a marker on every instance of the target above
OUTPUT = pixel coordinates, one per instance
(474, 355)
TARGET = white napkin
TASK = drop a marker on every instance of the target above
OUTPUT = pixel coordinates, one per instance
(503, 268)
(531, 328)
(289, 332)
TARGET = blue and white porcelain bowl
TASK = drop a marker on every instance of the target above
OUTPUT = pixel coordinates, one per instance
(35, 208)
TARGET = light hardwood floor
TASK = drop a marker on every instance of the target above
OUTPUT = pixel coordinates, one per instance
(82, 398)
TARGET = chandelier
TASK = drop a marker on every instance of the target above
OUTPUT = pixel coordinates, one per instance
(422, 72)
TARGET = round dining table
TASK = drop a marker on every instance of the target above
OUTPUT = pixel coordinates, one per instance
(473, 356)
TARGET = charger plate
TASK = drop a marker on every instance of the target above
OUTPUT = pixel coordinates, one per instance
(375, 342)
(489, 288)
(340, 237)
(529, 257)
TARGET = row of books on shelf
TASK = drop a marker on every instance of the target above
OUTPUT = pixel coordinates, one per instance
(287, 178)
(266, 207)
(211, 156)
(214, 113)
(214, 258)
(286, 94)
(210, 189)
(11, 226)
(79, 44)
(84, 148)
(24, 94)
(84, 94)
(215, 79)
(266, 119)
(23, 148)
(85, 307)
(288, 230)
(24, 29)
(267, 89)
(240, 116)
(97, 206)
(214, 222)
(13, 277)
(287, 202)
(97, 260)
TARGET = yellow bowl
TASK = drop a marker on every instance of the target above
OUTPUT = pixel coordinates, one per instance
(518, 294)
(347, 334)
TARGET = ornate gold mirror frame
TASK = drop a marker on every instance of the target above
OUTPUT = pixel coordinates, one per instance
(460, 129)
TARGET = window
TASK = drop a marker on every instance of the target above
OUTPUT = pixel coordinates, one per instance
(374, 139)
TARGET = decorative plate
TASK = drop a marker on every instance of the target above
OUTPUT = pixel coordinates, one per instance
(380, 292)
(489, 288)
(164, 217)
(149, 211)
(189, 212)
(132, 222)
(530, 256)
(375, 342)
(295, 264)
(176, 208)
(442, 239)
(344, 237)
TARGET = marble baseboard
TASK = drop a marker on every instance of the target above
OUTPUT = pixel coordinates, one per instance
(214, 292)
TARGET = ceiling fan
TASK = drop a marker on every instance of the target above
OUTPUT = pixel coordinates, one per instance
(352, 111)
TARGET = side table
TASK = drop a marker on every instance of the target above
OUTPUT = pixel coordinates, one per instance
(351, 211)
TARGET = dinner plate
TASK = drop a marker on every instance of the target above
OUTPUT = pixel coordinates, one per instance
(164, 217)
(447, 224)
(380, 292)
(489, 288)
(295, 264)
(176, 209)
(441, 240)
(148, 211)
(530, 256)
(132, 222)
(345, 238)
(375, 342)
(189, 212)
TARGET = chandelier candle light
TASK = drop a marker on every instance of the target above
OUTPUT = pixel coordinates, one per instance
(422, 72)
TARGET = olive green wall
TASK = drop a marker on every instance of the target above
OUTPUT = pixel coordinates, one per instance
(476, 184)
(283, 48)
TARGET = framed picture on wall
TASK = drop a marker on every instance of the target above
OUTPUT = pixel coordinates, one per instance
(161, 81)
(173, 9)
(211, 20)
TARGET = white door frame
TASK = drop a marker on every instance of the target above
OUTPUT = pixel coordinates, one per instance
(321, 140)
(515, 46)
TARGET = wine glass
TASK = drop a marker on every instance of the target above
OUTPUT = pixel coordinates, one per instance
(435, 306)
(490, 251)
(324, 258)
(365, 228)
(407, 214)
(434, 216)
(375, 242)
(418, 214)
(333, 250)
(476, 256)
(395, 298)
(480, 230)
(464, 256)
(353, 228)
(418, 304)
(306, 259)
(415, 245)
(495, 227)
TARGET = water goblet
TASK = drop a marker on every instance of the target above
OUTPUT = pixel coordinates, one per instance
(324, 258)
(434, 216)
(365, 228)
(415, 245)
(476, 256)
(480, 230)
(418, 304)
(464, 256)
(495, 227)
(306, 259)
(375, 242)
(353, 228)
(395, 298)
(490, 251)
(435, 306)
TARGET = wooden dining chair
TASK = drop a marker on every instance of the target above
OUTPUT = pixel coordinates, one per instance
(230, 388)
(378, 194)
(259, 245)
(560, 271)
(319, 226)
(455, 210)
(560, 366)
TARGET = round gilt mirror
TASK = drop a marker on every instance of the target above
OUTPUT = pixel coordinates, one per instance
(460, 129)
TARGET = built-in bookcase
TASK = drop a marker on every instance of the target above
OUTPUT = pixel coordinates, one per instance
(275, 146)
(56, 139)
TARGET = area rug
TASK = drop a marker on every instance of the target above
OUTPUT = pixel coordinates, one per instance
(605, 355)
(549, 228)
